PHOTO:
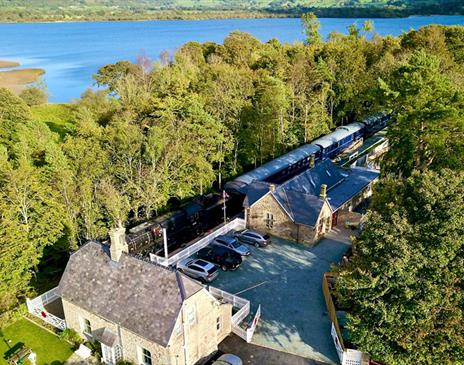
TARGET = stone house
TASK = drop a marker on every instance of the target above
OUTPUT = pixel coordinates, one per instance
(138, 311)
(310, 204)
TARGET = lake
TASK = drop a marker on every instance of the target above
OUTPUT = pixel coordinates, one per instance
(71, 53)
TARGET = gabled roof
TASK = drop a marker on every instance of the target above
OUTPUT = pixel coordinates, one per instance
(299, 196)
(302, 208)
(138, 295)
(255, 191)
(342, 183)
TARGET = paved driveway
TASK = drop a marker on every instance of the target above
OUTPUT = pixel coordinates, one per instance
(286, 278)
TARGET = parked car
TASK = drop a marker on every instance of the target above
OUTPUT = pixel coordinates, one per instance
(201, 270)
(228, 359)
(253, 238)
(222, 256)
(233, 244)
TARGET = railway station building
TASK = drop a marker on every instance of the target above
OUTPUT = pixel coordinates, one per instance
(310, 204)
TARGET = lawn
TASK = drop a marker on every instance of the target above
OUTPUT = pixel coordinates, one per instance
(58, 117)
(49, 348)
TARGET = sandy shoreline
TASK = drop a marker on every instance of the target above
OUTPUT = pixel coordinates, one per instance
(5, 64)
(18, 79)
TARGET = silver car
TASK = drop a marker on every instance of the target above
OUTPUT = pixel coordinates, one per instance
(253, 238)
(228, 359)
(199, 269)
(233, 244)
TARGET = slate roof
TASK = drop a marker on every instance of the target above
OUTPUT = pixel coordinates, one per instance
(299, 196)
(255, 191)
(139, 296)
(302, 208)
(342, 183)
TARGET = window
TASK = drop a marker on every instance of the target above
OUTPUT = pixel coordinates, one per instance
(218, 323)
(178, 329)
(269, 220)
(146, 357)
(191, 316)
(86, 327)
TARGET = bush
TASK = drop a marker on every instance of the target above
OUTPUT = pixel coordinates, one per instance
(95, 346)
(71, 336)
(33, 96)
(124, 362)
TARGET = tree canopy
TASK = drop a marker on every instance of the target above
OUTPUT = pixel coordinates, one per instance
(181, 126)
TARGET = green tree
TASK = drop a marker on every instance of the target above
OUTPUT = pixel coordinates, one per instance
(33, 96)
(13, 111)
(404, 284)
(31, 220)
(428, 127)
(311, 27)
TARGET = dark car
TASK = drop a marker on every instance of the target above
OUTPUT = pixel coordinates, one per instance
(223, 257)
(253, 238)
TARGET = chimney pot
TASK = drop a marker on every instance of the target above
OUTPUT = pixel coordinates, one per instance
(312, 161)
(118, 243)
(323, 193)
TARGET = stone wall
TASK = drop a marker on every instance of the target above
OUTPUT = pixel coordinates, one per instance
(282, 225)
(132, 344)
(200, 335)
(196, 325)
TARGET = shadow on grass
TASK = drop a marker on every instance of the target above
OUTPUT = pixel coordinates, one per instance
(12, 350)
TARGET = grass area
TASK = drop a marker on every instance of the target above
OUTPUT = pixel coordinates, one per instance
(58, 117)
(8, 64)
(49, 348)
(17, 80)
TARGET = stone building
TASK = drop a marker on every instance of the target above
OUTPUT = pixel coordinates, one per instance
(139, 311)
(310, 204)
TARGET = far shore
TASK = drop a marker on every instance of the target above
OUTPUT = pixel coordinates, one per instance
(18, 79)
(5, 64)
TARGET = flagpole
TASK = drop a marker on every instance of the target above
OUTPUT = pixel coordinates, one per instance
(224, 208)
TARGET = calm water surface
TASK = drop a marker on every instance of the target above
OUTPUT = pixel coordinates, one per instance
(72, 52)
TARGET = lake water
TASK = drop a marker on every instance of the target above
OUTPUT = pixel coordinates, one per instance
(71, 53)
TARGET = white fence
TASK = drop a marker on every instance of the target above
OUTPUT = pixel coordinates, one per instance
(236, 224)
(37, 305)
(242, 313)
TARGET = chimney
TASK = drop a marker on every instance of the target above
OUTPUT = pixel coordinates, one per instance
(118, 243)
(312, 161)
(272, 187)
(323, 194)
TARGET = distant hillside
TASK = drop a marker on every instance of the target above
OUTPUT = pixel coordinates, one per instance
(54, 10)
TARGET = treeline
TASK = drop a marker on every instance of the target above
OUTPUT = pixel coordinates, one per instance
(181, 126)
(64, 10)
(403, 288)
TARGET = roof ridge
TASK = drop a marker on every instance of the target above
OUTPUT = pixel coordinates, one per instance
(181, 286)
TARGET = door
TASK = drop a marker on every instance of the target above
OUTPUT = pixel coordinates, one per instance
(335, 219)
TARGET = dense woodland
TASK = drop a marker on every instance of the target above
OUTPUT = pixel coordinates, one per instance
(168, 130)
(67, 10)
